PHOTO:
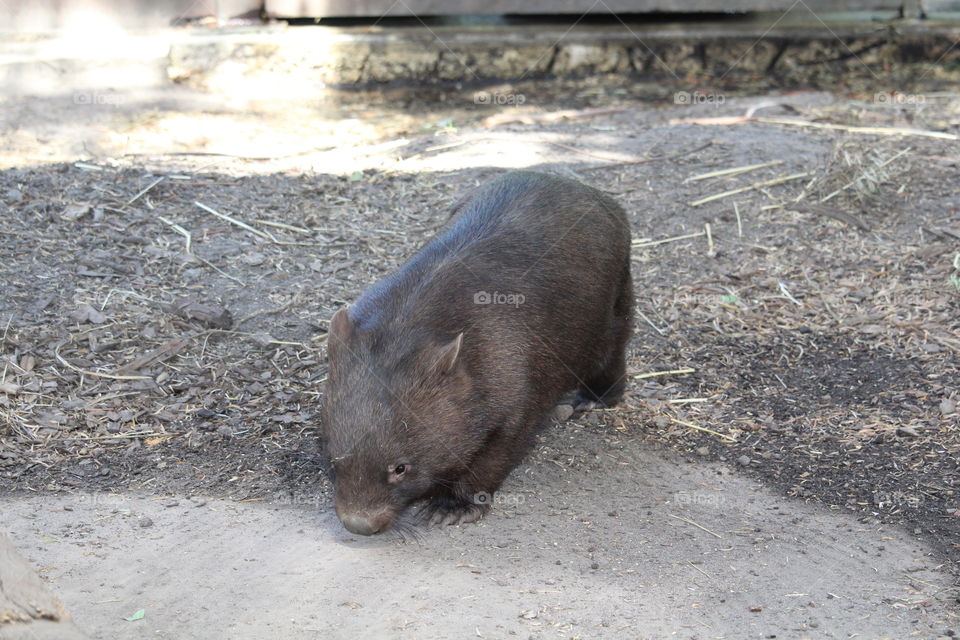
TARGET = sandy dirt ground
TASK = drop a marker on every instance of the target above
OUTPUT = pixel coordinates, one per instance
(635, 543)
(796, 479)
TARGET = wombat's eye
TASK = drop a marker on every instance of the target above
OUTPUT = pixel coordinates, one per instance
(395, 472)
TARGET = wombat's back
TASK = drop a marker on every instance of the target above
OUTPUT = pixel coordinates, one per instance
(522, 232)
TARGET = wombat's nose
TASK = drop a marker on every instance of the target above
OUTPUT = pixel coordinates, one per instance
(360, 525)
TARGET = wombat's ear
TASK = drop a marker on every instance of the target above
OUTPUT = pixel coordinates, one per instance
(341, 330)
(446, 355)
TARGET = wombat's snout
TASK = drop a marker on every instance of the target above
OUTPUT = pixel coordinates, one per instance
(365, 524)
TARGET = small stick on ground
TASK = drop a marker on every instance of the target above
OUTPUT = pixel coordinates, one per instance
(734, 171)
(750, 187)
(699, 569)
(655, 374)
(666, 240)
(736, 210)
(706, 230)
(221, 271)
(650, 322)
(264, 312)
(786, 294)
(243, 225)
(56, 354)
(173, 225)
(670, 156)
(144, 191)
(698, 526)
(704, 429)
(280, 225)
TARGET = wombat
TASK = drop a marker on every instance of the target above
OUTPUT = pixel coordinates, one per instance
(442, 372)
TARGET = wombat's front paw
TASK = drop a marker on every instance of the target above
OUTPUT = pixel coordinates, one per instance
(442, 512)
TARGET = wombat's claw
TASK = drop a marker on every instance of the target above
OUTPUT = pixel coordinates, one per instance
(443, 515)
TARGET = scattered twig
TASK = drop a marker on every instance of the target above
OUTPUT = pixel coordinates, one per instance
(750, 187)
(656, 374)
(165, 351)
(786, 294)
(220, 271)
(853, 182)
(666, 240)
(734, 171)
(280, 225)
(882, 131)
(176, 227)
(144, 191)
(551, 116)
(109, 376)
(650, 322)
(699, 569)
(704, 429)
(829, 212)
(263, 312)
(669, 156)
(793, 122)
(243, 225)
(698, 526)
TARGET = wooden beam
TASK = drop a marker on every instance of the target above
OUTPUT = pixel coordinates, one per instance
(28, 610)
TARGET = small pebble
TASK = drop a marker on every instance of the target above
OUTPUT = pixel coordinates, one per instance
(595, 566)
(743, 461)
(948, 406)
(907, 431)
(562, 412)
(703, 451)
(146, 522)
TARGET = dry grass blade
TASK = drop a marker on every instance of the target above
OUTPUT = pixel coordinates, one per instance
(655, 374)
(176, 227)
(243, 225)
(750, 187)
(698, 526)
(733, 171)
(109, 376)
(666, 240)
(690, 425)
(144, 191)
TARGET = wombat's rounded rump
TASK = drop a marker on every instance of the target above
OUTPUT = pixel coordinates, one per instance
(441, 373)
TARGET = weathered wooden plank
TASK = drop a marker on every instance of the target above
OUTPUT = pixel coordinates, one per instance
(55, 15)
(379, 8)
(28, 611)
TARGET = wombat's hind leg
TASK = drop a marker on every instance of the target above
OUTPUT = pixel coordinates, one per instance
(605, 388)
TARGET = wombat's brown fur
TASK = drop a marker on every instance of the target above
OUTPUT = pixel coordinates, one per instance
(441, 373)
